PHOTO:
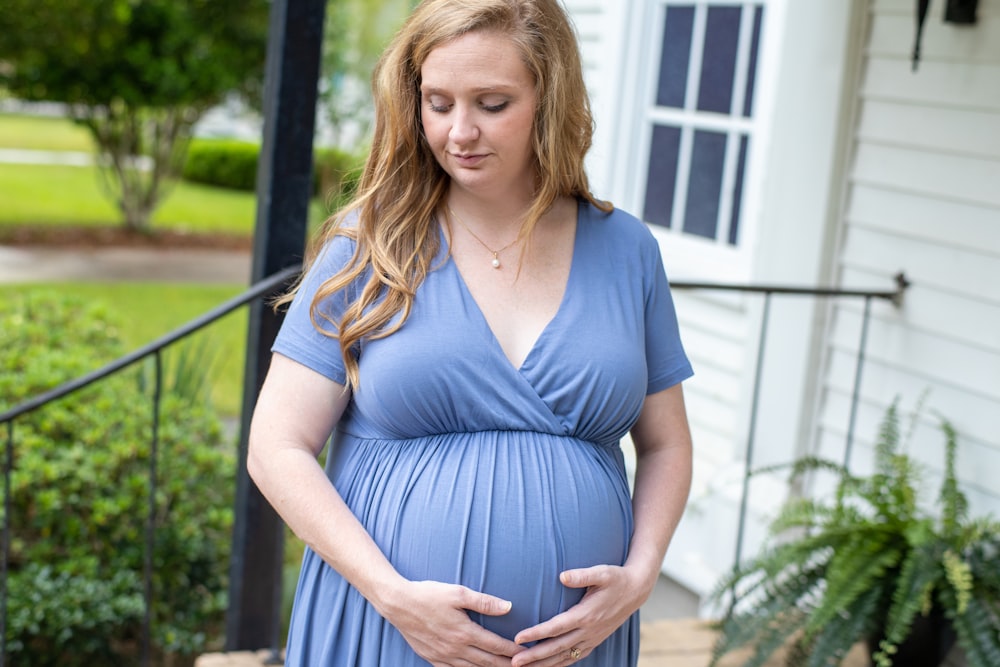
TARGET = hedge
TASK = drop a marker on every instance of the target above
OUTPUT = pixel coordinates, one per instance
(233, 164)
(224, 163)
(80, 496)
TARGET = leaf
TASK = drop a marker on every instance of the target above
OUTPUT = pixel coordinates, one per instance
(857, 568)
(977, 634)
(838, 636)
(918, 575)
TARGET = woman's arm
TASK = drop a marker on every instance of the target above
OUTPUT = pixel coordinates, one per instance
(662, 441)
(296, 411)
(662, 482)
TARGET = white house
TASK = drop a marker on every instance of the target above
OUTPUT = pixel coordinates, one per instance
(792, 142)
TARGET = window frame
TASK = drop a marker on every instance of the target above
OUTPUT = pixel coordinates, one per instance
(688, 254)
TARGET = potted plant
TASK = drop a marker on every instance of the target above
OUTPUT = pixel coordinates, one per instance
(869, 565)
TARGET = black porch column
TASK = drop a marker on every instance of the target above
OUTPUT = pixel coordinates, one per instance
(284, 184)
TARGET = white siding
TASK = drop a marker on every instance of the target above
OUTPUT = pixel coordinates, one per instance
(599, 32)
(923, 196)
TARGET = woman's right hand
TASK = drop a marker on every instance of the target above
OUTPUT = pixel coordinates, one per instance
(433, 618)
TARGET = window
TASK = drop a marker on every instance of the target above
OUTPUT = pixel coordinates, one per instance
(699, 120)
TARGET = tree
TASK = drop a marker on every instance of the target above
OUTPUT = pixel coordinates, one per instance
(137, 73)
(356, 33)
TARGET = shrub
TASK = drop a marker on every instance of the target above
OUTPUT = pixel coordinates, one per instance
(80, 496)
(225, 163)
(229, 163)
(335, 175)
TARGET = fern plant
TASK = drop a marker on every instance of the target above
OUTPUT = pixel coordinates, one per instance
(866, 565)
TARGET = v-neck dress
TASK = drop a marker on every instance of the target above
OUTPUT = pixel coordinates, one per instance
(467, 470)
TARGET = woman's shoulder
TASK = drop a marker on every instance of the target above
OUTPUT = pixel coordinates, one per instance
(337, 240)
(616, 227)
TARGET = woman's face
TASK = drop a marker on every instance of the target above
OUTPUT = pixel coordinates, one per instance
(477, 108)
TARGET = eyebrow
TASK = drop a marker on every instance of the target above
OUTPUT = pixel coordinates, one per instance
(498, 88)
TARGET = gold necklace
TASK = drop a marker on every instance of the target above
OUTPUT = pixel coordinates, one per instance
(495, 253)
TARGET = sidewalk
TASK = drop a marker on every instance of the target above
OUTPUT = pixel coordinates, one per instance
(33, 264)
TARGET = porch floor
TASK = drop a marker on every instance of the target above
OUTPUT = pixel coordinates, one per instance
(665, 643)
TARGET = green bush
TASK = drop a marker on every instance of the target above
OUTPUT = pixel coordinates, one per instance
(225, 163)
(335, 175)
(80, 495)
(233, 164)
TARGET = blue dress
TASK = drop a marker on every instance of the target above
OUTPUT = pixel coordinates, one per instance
(467, 470)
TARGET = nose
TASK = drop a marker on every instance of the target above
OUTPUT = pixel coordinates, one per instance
(463, 128)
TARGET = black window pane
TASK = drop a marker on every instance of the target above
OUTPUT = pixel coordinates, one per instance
(675, 57)
(734, 221)
(758, 17)
(718, 67)
(708, 157)
(662, 177)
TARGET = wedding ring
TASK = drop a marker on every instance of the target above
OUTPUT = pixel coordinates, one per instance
(575, 653)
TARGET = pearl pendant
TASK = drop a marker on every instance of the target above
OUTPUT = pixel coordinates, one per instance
(496, 262)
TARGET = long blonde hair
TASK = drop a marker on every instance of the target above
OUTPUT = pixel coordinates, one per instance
(402, 184)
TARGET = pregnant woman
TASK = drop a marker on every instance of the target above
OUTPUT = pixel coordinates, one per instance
(473, 336)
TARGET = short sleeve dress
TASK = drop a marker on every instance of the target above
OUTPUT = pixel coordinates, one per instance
(467, 470)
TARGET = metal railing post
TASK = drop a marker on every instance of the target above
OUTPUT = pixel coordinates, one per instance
(752, 427)
(856, 391)
(8, 464)
(154, 446)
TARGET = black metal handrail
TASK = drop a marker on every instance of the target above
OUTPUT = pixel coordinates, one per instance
(272, 284)
(260, 289)
(895, 296)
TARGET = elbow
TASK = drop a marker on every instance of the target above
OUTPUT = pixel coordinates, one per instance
(254, 464)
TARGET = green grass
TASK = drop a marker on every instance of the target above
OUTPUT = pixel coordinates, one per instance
(43, 133)
(75, 196)
(61, 195)
(150, 310)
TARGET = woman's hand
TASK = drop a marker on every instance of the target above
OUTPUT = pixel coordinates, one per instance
(613, 594)
(433, 619)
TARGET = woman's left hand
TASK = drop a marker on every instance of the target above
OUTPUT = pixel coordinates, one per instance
(613, 594)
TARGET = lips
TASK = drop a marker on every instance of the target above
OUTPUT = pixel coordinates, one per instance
(469, 160)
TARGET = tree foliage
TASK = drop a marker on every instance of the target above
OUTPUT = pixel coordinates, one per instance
(355, 34)
(137, 73)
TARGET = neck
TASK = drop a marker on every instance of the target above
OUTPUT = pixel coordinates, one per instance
(498, 225)
(498, 214)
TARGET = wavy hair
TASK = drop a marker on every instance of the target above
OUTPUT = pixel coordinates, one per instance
(402, 186)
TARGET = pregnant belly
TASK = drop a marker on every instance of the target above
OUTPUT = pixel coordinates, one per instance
(500, 512)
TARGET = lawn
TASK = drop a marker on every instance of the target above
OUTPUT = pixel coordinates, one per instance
(45, 194)
(150, 310)
(62, 195)
(43, 133)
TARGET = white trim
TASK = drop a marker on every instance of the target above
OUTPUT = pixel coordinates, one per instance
(696, 54)
(615, 87)
(700, 120)
(743, 59)
(730, 169)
